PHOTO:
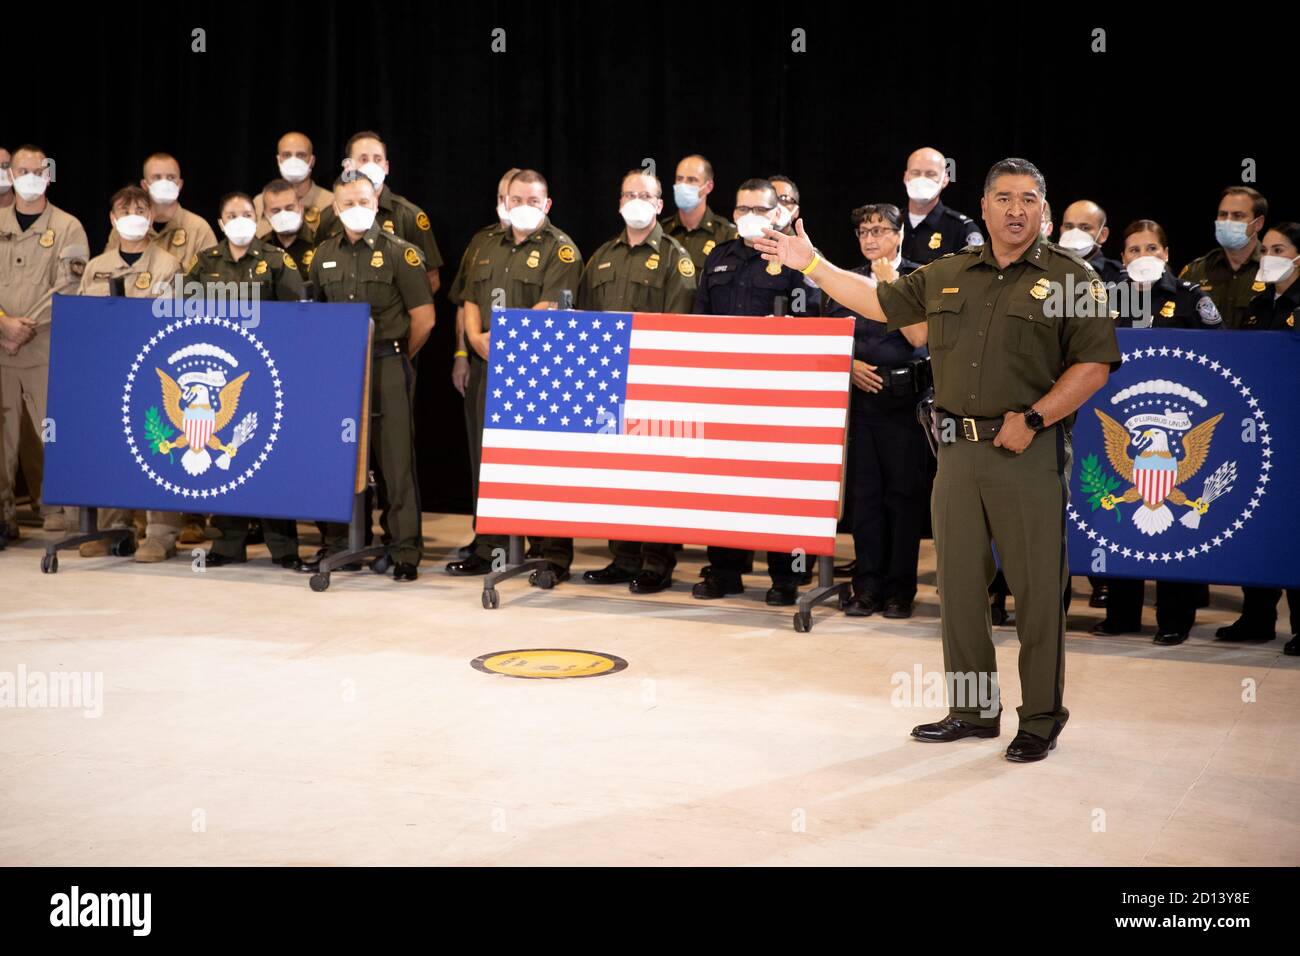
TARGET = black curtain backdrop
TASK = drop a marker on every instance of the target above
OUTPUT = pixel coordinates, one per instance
(1154, 127)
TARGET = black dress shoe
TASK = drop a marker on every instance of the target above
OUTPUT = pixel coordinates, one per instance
(806, 578)
(782, 595)
(214, 560)
(1244, 632)
(707, 569)
(1100, 596)
(1107, 628)
(712, 588)
(471, 565)
(1292, 647)
(953, 728)
(290, 562)
(404, 571)
(612, 574)
(862, 605)
(897, 609)
(561, 574)
(998, 613)
(1169, 638)
(1027, 747)
(648, 582)
(846, 570)
(465, 550)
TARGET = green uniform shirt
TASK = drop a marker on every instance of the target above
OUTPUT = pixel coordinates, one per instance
(1230, 291)
(1000, 338)
(535, 270)
(654, 276)
(712, 231)
(300, 250)
(379, 269)
(267, 265)
(398, 216)
(456, 292)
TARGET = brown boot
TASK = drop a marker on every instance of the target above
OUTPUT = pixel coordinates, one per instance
(152, 550)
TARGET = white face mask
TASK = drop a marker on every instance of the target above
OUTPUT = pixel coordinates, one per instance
(526, 218)
(6, 181)
(503, 214)
(751, 225)
(783, 216)
(1145, 269)
(1274, 268)
(358, 218)
(286, 221)
(240, 230)
(132, 228)
(294, 169)
(637, 213)
(922, 188)
(164, 191)
(30, 186)
(373, 172)
(1078, 241)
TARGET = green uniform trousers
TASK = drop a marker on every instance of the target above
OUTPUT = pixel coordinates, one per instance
(392, 449)
(281, 537)
(983, 493)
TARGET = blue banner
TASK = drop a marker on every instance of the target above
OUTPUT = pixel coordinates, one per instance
(194, 411)
(1184, 460)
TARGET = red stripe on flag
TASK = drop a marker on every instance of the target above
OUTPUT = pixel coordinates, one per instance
(793, 507)
(737, 396)
(812, 471)
(728, 432)
(628, 532)
(750, 361)
(654, 322)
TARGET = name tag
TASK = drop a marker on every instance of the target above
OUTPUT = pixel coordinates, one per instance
(950, 291)
(604, 265)
(328, 265)
(719, 268)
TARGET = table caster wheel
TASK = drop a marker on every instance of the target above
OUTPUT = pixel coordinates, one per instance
(802, 622)
(545, 579)
(843, 601)
(49, 564)
(123, 547)
(320, 581)
(491, 600)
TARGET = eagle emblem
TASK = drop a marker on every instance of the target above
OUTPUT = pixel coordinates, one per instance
(201, 403)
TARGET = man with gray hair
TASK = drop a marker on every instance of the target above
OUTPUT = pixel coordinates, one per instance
(1015, 351)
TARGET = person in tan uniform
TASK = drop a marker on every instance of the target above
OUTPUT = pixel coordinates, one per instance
(175, 229)
(43, 251)
(296, 158)
(146, 271)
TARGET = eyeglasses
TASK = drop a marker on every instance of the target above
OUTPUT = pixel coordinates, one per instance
(644, 196)
(875, 232)
(758, 210)
(788, 200)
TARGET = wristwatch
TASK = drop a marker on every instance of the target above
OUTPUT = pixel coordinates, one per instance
(1034, 420)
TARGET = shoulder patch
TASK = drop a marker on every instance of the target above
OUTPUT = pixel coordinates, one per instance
(421, 221)
(566, 253)
(685, 266)
(1206, 309)
(976, 238)
(411, 256)
(288, 260)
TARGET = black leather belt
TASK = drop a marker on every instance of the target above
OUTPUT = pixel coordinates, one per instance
(971, 429)
(386, 347)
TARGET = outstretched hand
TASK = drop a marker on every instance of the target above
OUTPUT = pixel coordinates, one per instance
(794, 252)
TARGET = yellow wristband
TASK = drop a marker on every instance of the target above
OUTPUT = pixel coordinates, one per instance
(807, 270)
(462, 354)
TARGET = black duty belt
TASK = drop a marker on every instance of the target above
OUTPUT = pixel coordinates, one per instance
(971, 429)
(383, 348)
(904, 381)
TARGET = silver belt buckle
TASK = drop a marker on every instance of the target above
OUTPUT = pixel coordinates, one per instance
(968, 429)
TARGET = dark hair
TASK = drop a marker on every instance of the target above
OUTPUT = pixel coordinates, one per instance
(641, 172)
(708, 166)
(278, 185)
(1013, 166)
(754, 184)
(886, 211)
(231, 197)
(364, 134)
(1259, 205)
(130, 195)
(27, 148)
(529, 176)
(779, 178)
(1147, 225)
(1289, 229)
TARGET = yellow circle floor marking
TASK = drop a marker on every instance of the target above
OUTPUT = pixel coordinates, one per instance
(549, 663)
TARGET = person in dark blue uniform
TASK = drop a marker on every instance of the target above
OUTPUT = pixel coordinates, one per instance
(736, 280)
(1149, 296)
(886, 445)
(931, 229)
(1276, 309)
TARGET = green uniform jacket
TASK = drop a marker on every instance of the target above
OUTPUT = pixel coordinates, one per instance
(536, 270)
(655, 276)
(1230, 291)
(275, 272)
(456, 292)
(712, 231)
(1000, 338)
(397, 216)
(379, 269)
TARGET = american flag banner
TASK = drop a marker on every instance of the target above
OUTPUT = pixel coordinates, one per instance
(672, 428)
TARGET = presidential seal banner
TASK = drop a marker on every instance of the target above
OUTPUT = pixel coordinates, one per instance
(203, 409)
(1182, 462)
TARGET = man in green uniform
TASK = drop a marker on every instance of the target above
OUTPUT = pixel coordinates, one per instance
(1020, 336)
(527, 266)
(639, 270)
(1227, 273)
(290, 232)
(366, 153)
(695, 225)
(366, 263)
(261, 273)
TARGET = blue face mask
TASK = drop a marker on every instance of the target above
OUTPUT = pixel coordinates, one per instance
(1229, 234)
(686, 196)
